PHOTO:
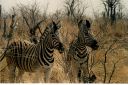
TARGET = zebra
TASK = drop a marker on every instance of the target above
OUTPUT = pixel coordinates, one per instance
(77, 56)
(29, 57)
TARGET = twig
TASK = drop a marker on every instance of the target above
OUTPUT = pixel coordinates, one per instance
(114, 68)
(105, 60)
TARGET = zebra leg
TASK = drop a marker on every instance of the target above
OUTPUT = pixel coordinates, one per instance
(19, 76)
(12, 69)
(12, 73)
(79, 75)
(47, 73)
(85, 72)
(37, 76)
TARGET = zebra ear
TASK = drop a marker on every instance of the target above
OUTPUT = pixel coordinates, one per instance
(79, 23)
(88, 24)
(53, 23)
(55, 26)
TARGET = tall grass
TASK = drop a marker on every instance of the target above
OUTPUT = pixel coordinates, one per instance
(104, 32)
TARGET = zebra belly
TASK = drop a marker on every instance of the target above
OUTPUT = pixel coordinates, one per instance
(25, 64)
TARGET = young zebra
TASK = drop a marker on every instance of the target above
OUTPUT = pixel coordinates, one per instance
(30, 57)
(77, 56)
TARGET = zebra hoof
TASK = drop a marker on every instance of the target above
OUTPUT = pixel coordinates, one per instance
(92, 78)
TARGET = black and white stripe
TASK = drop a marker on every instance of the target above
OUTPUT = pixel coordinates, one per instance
(78, 55)
(29, 57)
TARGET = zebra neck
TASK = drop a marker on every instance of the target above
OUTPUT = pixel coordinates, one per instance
(46, 32)
(80, 38)
(80, 42)
(45, 54)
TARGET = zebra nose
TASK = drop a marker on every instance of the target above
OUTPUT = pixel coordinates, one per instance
(95, 45)
(92, 78)
(61, 49)
(94, 42)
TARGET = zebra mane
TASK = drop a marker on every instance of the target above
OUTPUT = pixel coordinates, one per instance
(45, 33)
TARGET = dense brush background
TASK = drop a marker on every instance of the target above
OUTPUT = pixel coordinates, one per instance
(112, 39)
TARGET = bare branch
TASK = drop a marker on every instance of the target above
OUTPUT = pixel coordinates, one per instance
(74, 10)
(32, 16)
(114, 68)
(105, 60)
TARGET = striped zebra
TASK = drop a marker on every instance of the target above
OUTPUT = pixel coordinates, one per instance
(29, 57)
(77, 56)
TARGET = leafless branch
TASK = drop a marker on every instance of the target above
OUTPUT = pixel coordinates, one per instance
(74, 10)
(111, 9)
(32, 17)
(105, 60)
(114, 68)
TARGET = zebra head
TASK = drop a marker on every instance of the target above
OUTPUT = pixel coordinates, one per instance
(55, 37)
(56, 43)
(84, 26)
(52, 38)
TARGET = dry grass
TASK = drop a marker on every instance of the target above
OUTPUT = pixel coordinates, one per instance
(68, 33)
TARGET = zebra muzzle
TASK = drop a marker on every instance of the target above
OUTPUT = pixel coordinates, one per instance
(61, 50)
(95, 47)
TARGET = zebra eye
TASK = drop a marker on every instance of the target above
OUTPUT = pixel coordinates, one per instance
(53, 35)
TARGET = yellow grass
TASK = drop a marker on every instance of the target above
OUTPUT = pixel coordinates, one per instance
(68, 33)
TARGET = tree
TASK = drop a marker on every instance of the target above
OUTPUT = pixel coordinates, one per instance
(74, 10)
(0, 10)
(0, 15)
(33, 19)
(12, 27)
(111, 9)
(120, 14)
(4, 27)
